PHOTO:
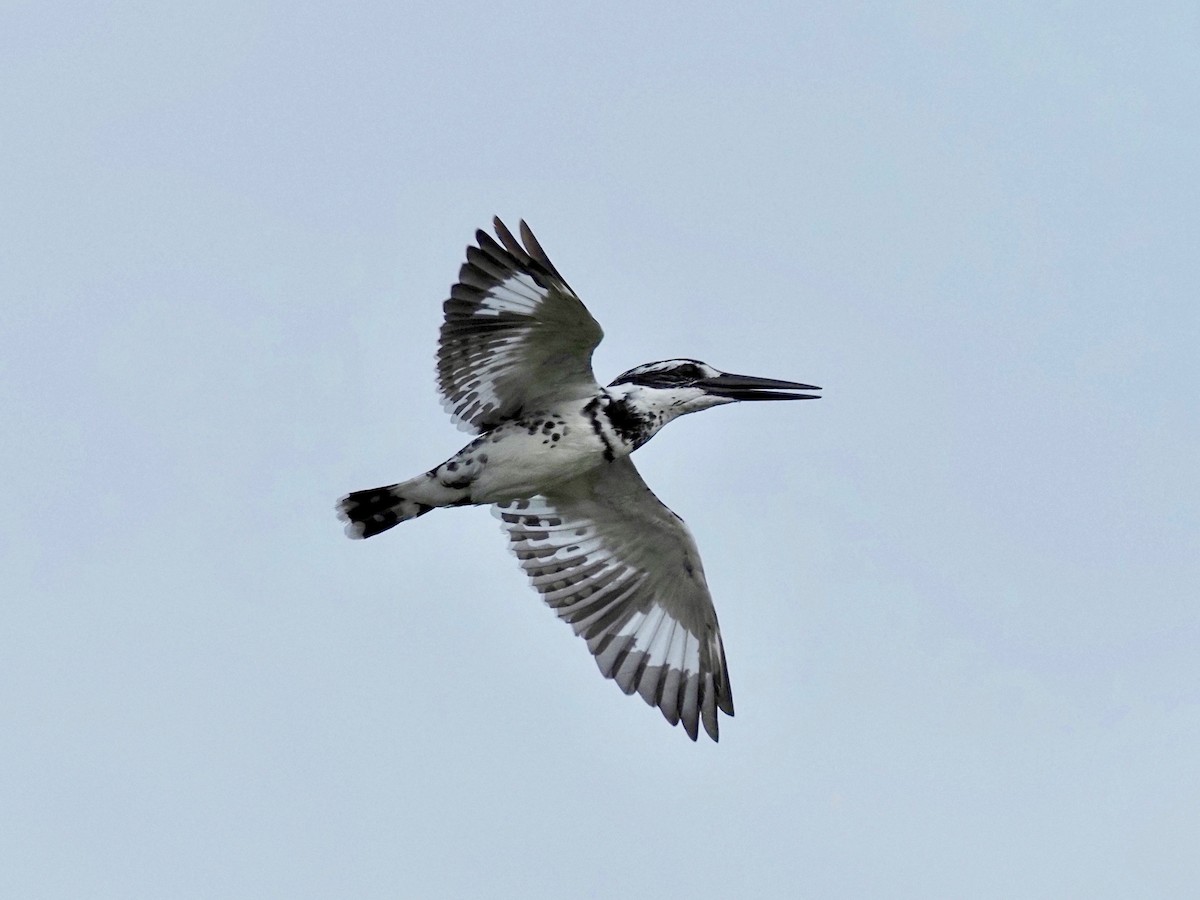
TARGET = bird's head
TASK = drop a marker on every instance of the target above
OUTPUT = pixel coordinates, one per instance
(679, 386)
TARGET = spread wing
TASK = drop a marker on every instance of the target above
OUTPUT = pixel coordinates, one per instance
(623, 570)
(515, 335)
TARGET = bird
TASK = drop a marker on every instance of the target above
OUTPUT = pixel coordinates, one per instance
(551, 456)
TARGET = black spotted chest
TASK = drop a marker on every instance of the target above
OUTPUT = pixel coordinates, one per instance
(551, 429)
(631, 425)
(628, 424)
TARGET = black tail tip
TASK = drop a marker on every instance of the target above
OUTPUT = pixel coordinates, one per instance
(371, 512)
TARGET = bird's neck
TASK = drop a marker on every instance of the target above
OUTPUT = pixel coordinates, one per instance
(626, 416)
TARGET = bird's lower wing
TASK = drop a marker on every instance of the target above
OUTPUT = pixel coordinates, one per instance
(515, 335)
(623, 570)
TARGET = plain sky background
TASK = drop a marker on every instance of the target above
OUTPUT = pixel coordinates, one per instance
(959, 594)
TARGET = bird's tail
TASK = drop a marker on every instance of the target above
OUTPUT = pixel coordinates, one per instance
(370, 512)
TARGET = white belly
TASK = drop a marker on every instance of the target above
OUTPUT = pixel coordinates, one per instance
(523, 459)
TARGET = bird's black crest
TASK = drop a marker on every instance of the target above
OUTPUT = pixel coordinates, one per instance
(666, 374)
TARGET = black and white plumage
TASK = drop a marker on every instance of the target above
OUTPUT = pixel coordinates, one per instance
(516, 337)
(552, 458)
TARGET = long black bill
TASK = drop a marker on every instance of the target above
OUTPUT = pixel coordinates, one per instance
(747, 387)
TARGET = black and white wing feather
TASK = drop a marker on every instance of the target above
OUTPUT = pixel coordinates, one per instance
(623, 570)
(515, 335)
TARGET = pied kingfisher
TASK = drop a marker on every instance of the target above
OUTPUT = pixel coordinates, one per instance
(552, 458)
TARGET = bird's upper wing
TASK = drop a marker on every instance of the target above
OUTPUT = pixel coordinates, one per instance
(623, 570)
(515, 336)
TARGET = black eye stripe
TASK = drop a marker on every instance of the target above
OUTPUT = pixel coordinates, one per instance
(680, 374)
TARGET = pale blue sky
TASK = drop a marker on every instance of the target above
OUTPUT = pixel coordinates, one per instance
(959, 595)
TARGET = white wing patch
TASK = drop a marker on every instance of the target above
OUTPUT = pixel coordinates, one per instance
(515, 335)
(623, 571)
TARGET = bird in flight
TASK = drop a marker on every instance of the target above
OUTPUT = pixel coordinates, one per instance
(551, 457)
